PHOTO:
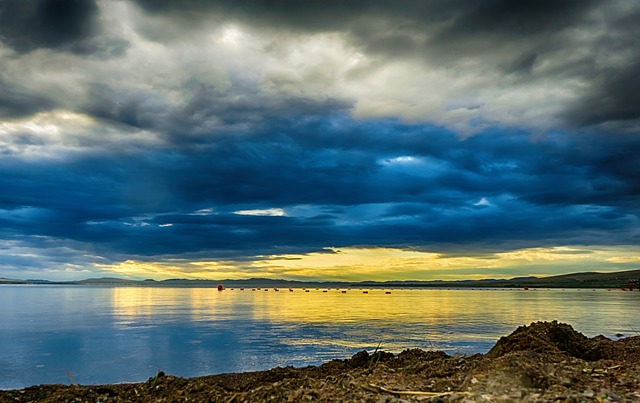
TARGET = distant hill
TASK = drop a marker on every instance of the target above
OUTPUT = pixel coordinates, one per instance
(572, 280)
(4, 280)
(106, 281)
(11, 281)
(588, 279)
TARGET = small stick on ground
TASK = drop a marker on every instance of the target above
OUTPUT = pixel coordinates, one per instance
(73, 381)
(372, 363)
(379, 389)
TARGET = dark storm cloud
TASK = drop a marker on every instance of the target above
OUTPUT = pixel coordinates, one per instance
(455, 29)
(613, 90)
(523, 17)
(614, 97)
(442, 30)
(65, 25)
(512, 36)
(305, 15)
(31, 24)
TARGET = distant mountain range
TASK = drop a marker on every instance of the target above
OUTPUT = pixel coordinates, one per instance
(622, 279)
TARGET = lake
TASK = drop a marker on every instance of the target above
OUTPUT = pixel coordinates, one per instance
(93, 335)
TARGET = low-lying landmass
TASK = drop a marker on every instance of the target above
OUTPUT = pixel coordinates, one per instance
(543, 362)
(629, 279)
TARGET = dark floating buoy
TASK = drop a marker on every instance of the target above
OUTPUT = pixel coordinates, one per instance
(365, 292)
(306, 290)
(220, 287)
(387, 292)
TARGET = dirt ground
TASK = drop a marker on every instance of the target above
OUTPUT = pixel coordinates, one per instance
(543, 362)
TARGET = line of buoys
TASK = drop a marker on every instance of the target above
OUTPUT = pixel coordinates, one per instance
(221, 288)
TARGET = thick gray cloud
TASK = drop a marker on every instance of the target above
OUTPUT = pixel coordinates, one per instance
(442, 31)
(527, 40)
(525, 17)
(18, 102)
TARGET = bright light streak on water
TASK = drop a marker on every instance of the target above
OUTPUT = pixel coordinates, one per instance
(122, 334)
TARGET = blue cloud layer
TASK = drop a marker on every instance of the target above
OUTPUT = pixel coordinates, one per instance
(340, 181)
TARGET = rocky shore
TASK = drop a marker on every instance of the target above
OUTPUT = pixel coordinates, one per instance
(542, 362)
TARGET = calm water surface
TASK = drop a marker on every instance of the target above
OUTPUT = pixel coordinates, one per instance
(119, 334)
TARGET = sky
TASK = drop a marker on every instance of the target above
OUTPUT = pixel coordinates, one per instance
(307, 140)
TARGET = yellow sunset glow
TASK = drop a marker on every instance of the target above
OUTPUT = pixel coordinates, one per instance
(624, 259)
(171, 269)
(360, 264)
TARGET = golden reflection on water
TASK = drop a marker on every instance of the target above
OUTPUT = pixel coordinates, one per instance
(431, 307)
(148, 301)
